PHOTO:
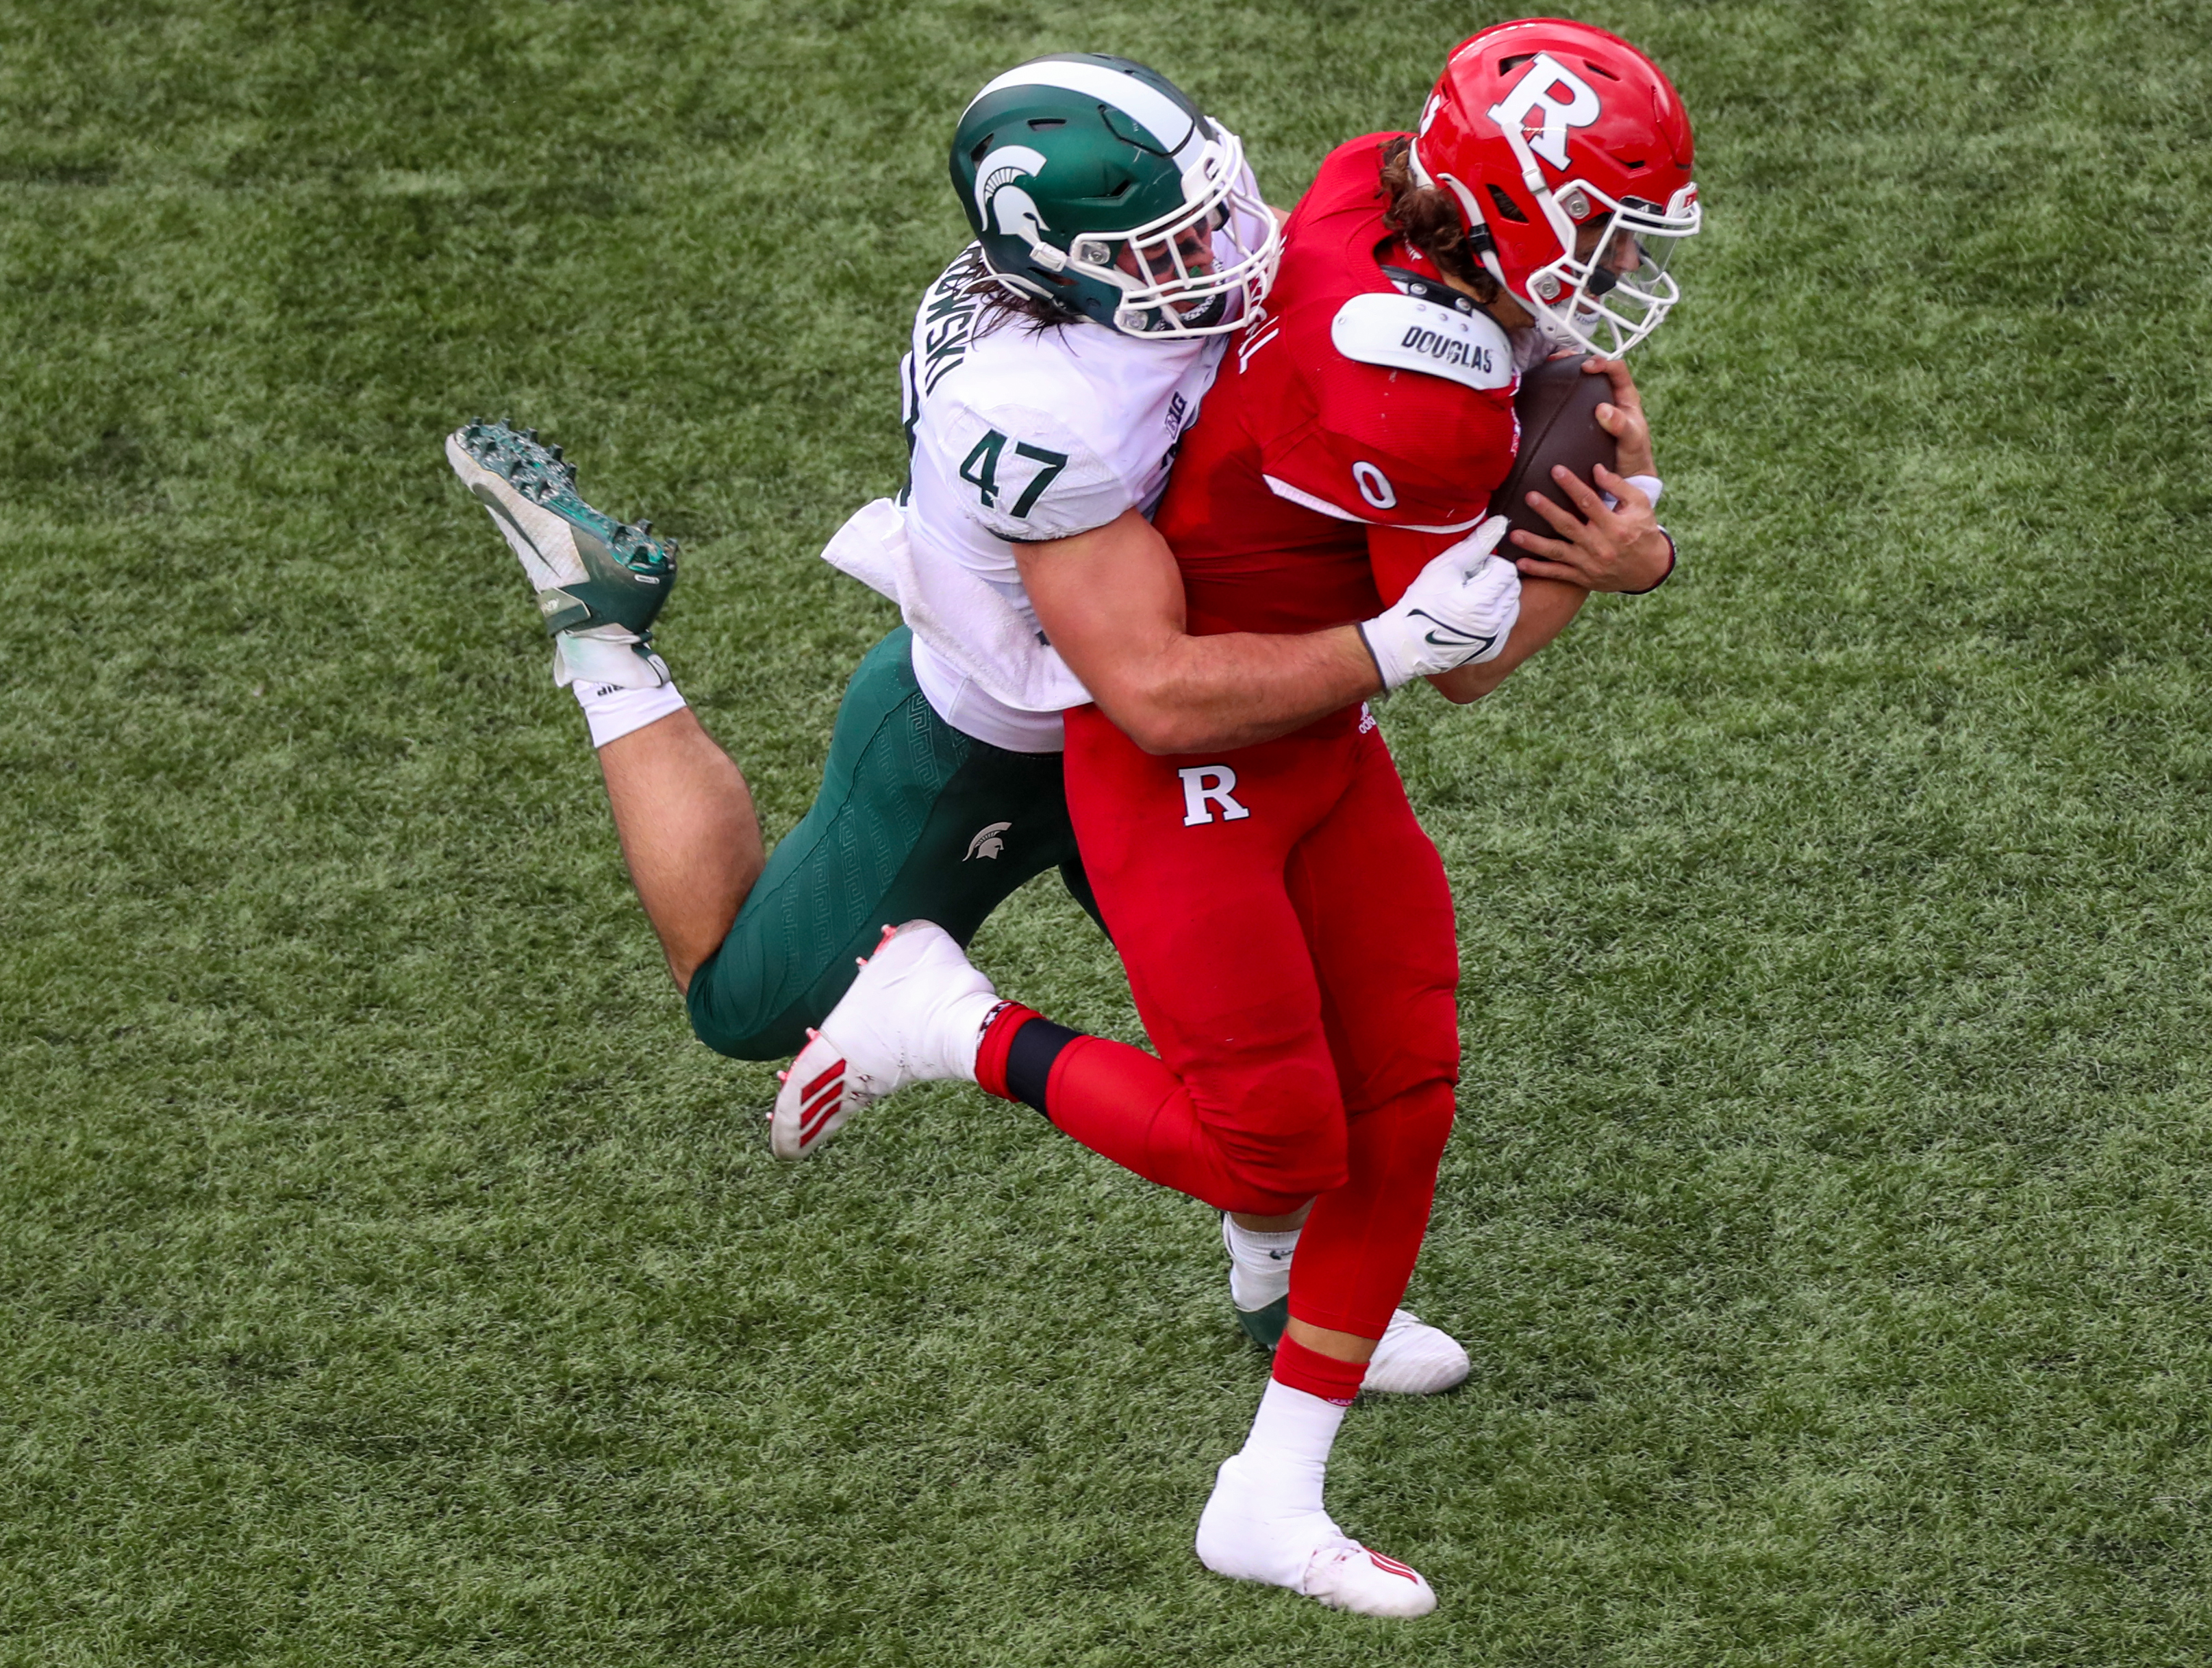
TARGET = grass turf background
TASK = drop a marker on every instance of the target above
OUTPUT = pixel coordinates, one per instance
(386, 1277)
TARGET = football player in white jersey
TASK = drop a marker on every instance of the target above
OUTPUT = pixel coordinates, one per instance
(1028, 425)
(1054, 366)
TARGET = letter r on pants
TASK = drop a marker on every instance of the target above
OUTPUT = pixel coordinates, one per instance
(1202, 784)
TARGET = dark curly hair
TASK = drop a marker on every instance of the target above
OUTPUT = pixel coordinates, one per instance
(1000, 305)
(1428, 219)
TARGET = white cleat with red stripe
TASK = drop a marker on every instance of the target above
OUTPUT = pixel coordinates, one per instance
(915, 1014)
(1347, 1576)
(1248, 1533)
(1416, 1359)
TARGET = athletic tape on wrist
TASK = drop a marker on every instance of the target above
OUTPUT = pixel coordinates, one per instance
(613, 712)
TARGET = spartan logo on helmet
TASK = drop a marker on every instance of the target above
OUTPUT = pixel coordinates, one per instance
(1002, 203)
(1093, 182)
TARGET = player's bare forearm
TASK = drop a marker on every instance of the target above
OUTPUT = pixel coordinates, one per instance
(1546, 606)
(1111, 600)
(1207, 693)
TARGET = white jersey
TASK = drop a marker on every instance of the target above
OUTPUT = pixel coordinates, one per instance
(1020, 435)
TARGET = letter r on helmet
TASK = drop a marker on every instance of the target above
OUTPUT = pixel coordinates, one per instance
(1205, 786)
(1556, 97)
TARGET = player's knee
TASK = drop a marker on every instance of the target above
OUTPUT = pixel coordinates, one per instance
(1423, 1049)
(743, 1043)
(1248, 1200)
(1286, 1133)
(1425, 1117)
(1400, 1143)
(1277, 1185)
(738, 1017)
(1428, 1038)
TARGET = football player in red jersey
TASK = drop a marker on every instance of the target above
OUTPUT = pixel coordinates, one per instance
(1285, 922)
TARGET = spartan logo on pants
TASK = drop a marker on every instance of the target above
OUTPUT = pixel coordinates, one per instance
(1205, 786)
(987, 842)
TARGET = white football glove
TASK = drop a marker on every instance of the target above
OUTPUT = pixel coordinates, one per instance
(1458, 611)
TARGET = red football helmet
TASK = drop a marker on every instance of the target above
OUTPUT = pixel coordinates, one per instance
(1570, 154)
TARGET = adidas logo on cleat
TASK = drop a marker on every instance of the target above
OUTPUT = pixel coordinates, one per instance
(1389, 1566)
(818, 1100)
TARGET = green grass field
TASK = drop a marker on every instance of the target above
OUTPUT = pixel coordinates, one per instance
(388, 1278)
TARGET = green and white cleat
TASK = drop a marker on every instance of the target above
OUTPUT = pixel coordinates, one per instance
(600, 582)
(1412, 1358)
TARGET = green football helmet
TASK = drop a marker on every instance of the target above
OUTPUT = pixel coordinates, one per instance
(1092, 182)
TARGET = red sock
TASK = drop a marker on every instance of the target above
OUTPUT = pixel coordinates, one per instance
(1325, 1376)
(997, 1038)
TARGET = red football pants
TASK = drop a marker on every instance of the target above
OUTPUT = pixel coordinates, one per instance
(1288, 934)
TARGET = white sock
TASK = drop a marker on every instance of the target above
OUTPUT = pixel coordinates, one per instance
(1259, 1264)
(613, 712)
(1287, 1453)
(964, 1020)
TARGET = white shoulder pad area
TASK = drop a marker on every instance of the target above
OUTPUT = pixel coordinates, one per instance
(1407, 334)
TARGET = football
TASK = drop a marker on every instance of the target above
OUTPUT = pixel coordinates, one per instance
(1557, 409)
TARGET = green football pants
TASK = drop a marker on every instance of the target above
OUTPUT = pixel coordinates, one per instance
(915, 821)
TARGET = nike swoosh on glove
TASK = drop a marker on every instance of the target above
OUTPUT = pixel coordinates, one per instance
(1458, 611)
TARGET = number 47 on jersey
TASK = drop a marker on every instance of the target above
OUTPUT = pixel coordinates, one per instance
(980, 470)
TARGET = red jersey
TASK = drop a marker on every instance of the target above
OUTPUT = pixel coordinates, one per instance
(1358, 425)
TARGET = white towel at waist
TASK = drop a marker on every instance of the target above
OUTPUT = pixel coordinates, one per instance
(954, 612)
